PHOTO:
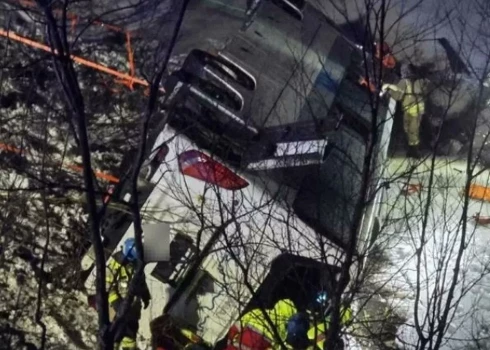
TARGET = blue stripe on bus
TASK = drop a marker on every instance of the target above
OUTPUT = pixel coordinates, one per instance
(324, 80)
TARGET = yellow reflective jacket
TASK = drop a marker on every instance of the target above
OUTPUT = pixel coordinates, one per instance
(318, 333)
(279, 315)
(118, 275)
(410, 93)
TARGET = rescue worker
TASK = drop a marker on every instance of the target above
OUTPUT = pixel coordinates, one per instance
(317, 334)
(409, 91)
(297, 331)
(120, 272)
(389, 67)
(319, 320)
(383, 53)
(254, 332)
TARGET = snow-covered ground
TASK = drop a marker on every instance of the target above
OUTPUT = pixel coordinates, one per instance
(36, 147)
(432, 274)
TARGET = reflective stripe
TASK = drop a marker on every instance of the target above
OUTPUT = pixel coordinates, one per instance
(415, 109)
(194, 338)
(113, 296)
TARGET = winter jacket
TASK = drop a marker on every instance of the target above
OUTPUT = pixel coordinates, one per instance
(254, 326)
(118, 275)
(318, 333)
(410, 93)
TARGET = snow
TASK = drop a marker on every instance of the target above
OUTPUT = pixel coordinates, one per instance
(351, 343)
(471, 304)
(30, 109)
(61, 310)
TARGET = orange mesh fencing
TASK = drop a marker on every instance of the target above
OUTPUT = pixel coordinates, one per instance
(74, 20)
(77, 168)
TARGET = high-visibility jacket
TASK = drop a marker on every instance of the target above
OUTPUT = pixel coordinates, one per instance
(318, 333)
(410, 93)
(118, 275)
(413, 101)
(255, 323)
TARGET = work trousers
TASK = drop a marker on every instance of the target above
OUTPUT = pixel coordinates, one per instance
(127, 336)
(411, 124)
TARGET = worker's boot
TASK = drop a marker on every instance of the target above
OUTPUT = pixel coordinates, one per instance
(413, 152)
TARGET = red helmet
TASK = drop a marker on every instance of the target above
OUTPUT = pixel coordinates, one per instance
(383, 49)
(383, 53)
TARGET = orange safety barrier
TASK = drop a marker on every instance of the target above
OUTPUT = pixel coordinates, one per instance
(10, 148)
(127, 79)
(72, 16)
(132, 71)
(123, 76)
(479, 192)
(74, 21)
(99, 174)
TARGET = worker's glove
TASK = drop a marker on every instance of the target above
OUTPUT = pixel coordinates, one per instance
(385, 88)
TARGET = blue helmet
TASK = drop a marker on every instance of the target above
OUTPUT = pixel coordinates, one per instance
(129, 250)
(297, 330)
